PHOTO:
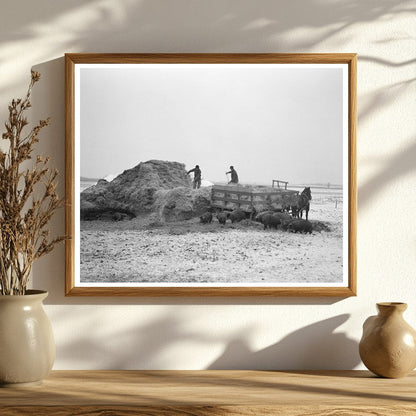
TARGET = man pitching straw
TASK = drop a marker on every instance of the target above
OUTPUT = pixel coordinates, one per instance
(234, 176)
(197, 177)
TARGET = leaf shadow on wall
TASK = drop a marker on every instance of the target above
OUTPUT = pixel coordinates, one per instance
(391, 170)
(138, 347)
(223, 27)
(188, 26)
(313, 347)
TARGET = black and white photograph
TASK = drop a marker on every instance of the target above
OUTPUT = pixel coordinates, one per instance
(211, 174)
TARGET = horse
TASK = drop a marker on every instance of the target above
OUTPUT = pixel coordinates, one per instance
(303, 201)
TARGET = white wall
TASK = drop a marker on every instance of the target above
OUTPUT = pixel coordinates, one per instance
(199, 333)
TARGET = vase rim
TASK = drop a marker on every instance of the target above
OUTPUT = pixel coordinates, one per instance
(401, 306)
(30, 293)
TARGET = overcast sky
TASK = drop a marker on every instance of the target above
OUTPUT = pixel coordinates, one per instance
(268, 121)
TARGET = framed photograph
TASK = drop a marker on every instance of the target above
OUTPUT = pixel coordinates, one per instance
(211, 174)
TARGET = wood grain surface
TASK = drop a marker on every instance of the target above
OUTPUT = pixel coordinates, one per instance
(202, 393)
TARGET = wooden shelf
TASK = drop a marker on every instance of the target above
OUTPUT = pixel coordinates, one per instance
(203, 393)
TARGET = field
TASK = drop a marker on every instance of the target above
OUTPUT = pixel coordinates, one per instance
(144, 251)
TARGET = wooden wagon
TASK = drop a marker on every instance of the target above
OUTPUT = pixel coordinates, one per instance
(252, 199)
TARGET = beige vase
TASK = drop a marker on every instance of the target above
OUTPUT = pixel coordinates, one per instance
(388, 344)
(27, 347)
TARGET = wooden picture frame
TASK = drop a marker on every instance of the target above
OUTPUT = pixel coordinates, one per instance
(94, 94)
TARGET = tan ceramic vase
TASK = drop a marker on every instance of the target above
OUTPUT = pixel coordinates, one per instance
(27, 347)
(388, 344)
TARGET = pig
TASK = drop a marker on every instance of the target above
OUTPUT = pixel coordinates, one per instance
(222, 217)
(300, 225)
(270, 221)
(237, 215)
(285, 224)
(206, 218)
(275, 219)
(283, 216)
(260, 215)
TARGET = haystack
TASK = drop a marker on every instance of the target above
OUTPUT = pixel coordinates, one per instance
(161, 188)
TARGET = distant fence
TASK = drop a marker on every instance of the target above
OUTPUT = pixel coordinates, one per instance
(231, 197)
(319, 186)
(277, 182)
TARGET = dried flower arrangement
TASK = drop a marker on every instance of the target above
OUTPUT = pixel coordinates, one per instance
(28, 199)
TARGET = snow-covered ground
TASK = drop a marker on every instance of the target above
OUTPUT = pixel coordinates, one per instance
(191, 252)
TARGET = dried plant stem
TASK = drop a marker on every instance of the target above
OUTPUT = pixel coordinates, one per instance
(23, 217)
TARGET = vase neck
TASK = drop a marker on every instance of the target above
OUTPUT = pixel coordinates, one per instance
(390, 308)
(30, 296)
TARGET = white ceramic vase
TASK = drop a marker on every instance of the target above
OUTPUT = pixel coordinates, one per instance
(27, 346)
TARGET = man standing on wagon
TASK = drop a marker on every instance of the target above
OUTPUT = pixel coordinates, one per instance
(197, 176)
(234, 176)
